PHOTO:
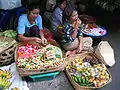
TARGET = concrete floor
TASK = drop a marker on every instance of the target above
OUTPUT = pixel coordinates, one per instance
(62, 83)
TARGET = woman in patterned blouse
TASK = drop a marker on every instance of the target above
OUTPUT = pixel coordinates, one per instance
(72, 37)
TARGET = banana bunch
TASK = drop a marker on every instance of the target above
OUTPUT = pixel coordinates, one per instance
(4, 74)
(15, 88)
(4, 83)
(4, 79)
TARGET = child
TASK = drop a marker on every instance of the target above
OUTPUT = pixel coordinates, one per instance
(72, 37)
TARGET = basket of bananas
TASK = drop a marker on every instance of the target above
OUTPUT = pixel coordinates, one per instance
(87, 72)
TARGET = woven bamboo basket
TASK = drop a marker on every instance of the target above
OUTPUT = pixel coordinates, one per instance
(76, 85)
(27, 72)
(7, 51)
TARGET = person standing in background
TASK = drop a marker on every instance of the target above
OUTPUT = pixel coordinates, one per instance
(57, 16)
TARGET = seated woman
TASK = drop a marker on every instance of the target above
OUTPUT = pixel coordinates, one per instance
(30, 26)
(72, 37)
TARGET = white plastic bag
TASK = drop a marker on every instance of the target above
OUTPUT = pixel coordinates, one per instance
(50, 4)
(106, 53)
(9, 4)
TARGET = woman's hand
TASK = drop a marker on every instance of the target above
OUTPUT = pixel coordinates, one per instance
(78, 21)
(44, 41)
(77, 24)
(38, 40)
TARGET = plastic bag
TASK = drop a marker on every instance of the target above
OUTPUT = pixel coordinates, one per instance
(106, 53)
(50, 4)
(9, 4)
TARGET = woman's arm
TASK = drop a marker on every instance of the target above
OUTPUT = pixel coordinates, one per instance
(76, 27)
(27, 39)
(41, 34)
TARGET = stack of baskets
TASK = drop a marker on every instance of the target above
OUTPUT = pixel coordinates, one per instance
(7, 50)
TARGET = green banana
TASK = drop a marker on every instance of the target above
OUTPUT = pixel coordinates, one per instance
(4, 83)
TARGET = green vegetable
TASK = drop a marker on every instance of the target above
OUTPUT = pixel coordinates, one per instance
(86, 80)
(10, 33)
(58, 56)
(49, 49)
(75, 79)
(3, 43)
(79, 79)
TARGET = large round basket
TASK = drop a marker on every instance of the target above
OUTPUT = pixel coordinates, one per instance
(7, 51)
(27, 72)
(76, 85)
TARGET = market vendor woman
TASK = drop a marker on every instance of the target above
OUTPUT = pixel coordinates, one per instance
(30, 26)
(72, 37)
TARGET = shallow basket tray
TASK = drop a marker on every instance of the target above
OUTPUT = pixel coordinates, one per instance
(76, 85)
(27, 72)
(7, 51)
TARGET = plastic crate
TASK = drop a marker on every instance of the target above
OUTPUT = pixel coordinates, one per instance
(44, 76)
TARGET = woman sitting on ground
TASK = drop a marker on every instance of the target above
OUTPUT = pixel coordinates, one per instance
(30, 26)
(72, 37)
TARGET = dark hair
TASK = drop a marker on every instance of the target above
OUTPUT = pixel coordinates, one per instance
(31, 7)
(61, 1)
(68, 13)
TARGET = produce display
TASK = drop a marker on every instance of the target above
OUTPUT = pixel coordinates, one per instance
(32, 57)
(4, 79)
(94, 30)
(9, 33)
(89, 72)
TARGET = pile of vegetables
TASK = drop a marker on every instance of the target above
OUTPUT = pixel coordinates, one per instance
(9, 33)
(30, 56)
(88, 72)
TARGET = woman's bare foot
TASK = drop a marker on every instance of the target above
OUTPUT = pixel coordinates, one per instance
(74, 52)
(68, 53)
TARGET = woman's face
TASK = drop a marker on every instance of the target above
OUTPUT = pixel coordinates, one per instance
(34, 14)
(74, 16)
(63, 5)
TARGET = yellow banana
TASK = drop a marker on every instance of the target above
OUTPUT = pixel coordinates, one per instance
(15, 88)
(4, 74)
